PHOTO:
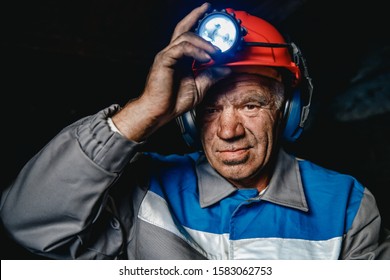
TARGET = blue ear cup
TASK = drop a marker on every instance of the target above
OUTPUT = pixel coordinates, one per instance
(292, 116)
(188, 129)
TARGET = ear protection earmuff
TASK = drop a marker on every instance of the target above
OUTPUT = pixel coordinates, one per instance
(297, 106)
(188, 129)
(296, 110)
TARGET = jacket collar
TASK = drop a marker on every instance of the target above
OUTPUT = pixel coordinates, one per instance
(285, 187)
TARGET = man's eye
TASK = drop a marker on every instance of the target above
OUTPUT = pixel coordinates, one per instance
(250, 106)
(210, 110)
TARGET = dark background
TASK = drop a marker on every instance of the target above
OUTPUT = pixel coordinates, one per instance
(62, 60)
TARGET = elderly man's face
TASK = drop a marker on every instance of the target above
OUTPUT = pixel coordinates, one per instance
(239, 120)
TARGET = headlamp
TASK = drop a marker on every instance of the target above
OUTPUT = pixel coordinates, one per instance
(225, 31)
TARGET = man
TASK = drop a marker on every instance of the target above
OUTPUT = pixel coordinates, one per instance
(93, 193)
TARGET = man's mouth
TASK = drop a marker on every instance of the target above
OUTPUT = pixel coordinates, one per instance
(233, 153)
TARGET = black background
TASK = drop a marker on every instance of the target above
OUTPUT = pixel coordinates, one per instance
(62, 60)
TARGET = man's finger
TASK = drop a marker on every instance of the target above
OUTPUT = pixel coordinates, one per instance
(189, 20)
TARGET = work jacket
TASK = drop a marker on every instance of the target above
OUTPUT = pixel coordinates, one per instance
(90, 193)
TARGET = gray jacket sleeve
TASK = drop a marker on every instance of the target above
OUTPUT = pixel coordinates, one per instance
(367, 238)
(55, 200)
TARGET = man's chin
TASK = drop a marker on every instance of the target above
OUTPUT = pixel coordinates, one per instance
(233, 162)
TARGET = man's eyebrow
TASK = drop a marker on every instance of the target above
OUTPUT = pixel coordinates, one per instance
(259, 98)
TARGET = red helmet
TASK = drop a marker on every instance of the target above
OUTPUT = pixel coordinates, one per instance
(259, 30)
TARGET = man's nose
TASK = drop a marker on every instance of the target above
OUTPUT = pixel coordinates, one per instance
(230, 125)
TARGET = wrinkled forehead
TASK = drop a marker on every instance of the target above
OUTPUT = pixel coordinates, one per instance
(241, 85)
(254, 75)
(264, 71)
(259, 74)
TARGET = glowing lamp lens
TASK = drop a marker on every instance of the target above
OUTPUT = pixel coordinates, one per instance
(219, 29)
